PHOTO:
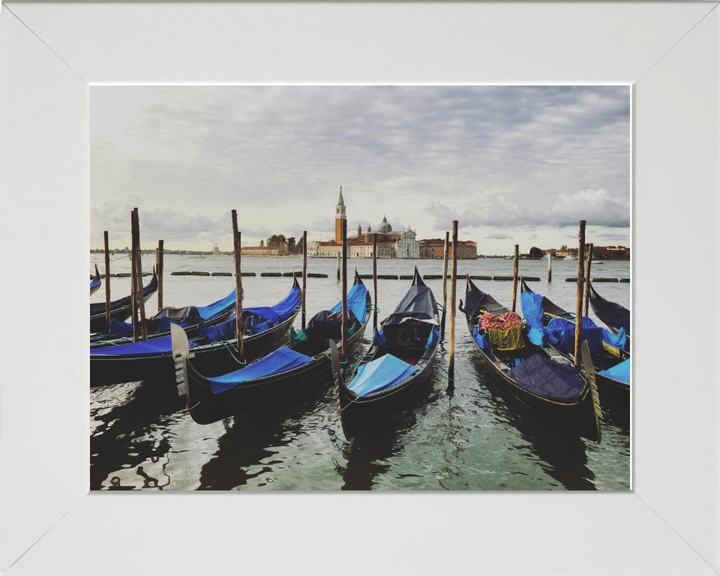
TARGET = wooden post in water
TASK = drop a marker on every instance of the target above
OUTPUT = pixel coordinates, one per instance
(237, 244)
(515, 277)
(446, 249)
(141, 300)
(344, 290)
(375, 302)
(587, 280)
(338, 266)
(304, 288)
(107, 283)
(160, 267)
(139, 327)
(451, 360)
(133, 279)
(578, 306)
(550, 257)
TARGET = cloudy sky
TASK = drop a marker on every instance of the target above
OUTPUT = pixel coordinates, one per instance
(514, 165)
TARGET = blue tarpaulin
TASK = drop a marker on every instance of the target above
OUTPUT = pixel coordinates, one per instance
(481, 339)
(155, 346)
(548, 378)
(380, 374)
(211, 310)
(433, 339)
(356, 302)
(618, 340)
(619, 372)
(162, 320)
(274, 314)
(532, 309)
(282, 360)
(379, 339)
(561, 334)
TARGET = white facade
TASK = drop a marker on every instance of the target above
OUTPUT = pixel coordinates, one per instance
(312, 247)
(407, 246)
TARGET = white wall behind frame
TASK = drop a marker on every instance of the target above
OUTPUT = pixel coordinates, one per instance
(43, 189)
(676, 206)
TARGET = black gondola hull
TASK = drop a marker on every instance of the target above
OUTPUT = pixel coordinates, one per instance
(361, 413)
(121, 309)
(576, 417)
(303, 383)
(211, 360)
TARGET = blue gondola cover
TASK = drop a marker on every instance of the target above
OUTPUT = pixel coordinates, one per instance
(619, 372)
(282, 360)
(380, 374)
(151, 347)
(481, 339)
(433, 339)
(549, 379)
(532, 309)
(356, 302)
(379, 339)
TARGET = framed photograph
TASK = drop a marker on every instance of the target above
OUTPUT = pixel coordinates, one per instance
(53, 53)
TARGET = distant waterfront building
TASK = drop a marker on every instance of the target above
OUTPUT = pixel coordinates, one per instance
(407, 246)
(434, 248)
(216, 250)
(389, 244)
(312, 247)
(260, 251)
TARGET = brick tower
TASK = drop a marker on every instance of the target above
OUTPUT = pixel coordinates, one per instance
(340, 215)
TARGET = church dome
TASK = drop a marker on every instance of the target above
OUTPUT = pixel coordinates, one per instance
(384, 228)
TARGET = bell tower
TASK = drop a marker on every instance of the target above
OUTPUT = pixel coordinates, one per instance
(340, 215)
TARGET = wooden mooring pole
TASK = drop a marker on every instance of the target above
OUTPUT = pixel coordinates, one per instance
(446, 250)
(137, 268)
(160, 267)
(579, 299)
(550, 257)
(304, 287)
(237, 244)
(107, 283)
(344, 291)
(375, 301)
(515, 277)
(338, 266)
(451, 360)
(587, 280)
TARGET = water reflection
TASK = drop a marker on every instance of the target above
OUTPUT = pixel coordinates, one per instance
(248, 440)
(560, 454)
(129, 429)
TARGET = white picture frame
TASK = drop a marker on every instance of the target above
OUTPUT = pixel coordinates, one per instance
(50, 53)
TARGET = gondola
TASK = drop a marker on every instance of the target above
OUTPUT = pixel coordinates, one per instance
(289, 375)
(610, 360)
(158, 326)
(95, 282)
(540, 377)
(397, 363)
(612, 314)
(119, 309)
(264, 330)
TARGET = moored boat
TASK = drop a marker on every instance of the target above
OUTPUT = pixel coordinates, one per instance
(398, 362)
(264, 330)
(288, 375)
(119, 309)
(612, 314)
(539, 377)
(555, 327)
